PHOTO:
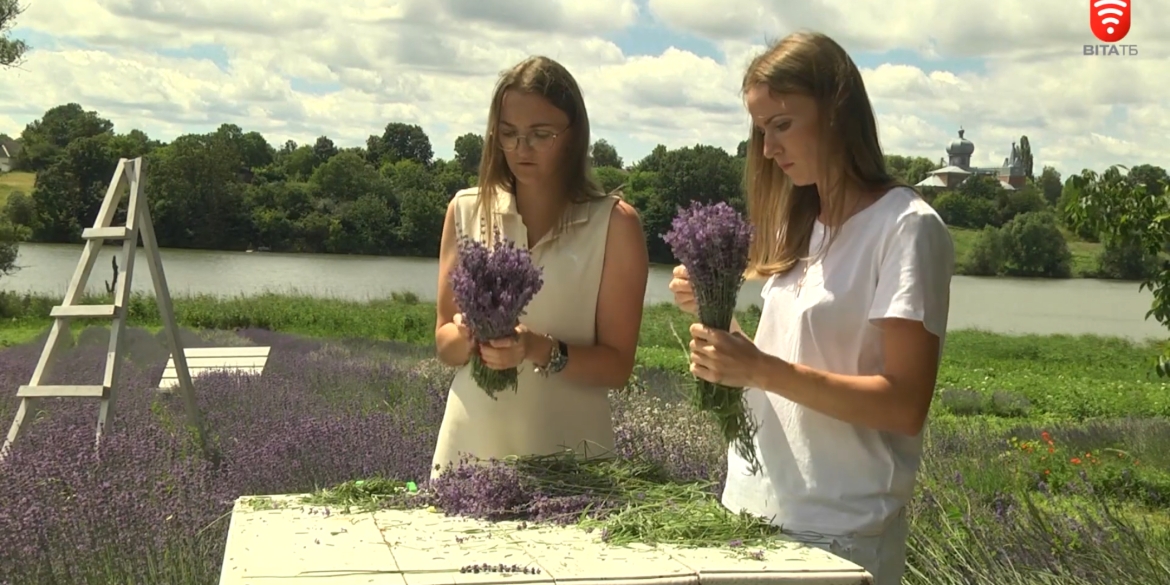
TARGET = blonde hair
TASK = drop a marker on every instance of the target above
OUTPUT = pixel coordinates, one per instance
(850, 155)
(549, 79)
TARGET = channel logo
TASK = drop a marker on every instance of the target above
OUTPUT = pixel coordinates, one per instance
(1109, 19)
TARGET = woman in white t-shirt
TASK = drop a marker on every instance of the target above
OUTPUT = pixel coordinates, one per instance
(842, 370)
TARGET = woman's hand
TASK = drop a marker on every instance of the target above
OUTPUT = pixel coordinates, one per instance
(720, 357)
(684, 295)
(508, 352)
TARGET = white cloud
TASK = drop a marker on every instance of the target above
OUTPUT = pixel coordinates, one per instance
(996, 27)
(434, 62)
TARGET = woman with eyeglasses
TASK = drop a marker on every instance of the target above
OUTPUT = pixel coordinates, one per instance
(579, 334)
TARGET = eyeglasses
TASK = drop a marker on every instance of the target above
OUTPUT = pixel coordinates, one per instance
(536, 140)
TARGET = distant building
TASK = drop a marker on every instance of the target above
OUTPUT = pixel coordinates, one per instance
(958, 169)
(9, 148)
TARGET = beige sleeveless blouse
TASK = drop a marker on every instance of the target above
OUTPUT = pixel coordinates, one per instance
(544, 415)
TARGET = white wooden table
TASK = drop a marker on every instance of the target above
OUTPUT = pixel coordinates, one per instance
(278, 540)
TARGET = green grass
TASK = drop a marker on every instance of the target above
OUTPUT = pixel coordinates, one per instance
(1042, 378)
(15, 181)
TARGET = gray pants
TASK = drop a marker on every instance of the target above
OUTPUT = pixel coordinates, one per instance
(883, 555)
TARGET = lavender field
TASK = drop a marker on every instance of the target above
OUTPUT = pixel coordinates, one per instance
(1002, 501)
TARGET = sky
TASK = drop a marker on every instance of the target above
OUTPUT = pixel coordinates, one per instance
(653, 71)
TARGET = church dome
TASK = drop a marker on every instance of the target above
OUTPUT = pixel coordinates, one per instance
(960, 147)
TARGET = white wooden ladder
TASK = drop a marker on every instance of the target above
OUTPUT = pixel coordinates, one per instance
(129, 177)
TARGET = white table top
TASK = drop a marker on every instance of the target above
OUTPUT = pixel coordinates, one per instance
(278, 539)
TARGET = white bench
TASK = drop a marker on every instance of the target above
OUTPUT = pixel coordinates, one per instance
(201, 360)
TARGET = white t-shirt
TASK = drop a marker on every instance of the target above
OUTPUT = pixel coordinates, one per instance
(894, 258)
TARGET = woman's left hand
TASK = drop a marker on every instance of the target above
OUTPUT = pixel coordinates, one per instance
(508, 352)
(720, 357)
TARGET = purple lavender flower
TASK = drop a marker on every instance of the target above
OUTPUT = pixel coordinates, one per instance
(492, 287)
(712, 241)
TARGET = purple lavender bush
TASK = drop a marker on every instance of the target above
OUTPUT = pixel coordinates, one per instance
(493, 284)
(145, 508)
(712, 242)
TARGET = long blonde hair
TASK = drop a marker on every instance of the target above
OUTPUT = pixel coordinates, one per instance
(549, 79)
(850, 154)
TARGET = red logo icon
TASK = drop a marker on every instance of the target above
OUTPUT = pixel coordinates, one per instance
(1109, 19)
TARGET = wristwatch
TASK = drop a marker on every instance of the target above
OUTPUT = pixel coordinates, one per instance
(557, 360)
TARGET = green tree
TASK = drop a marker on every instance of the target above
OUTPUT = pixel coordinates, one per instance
(399, 141)
(44, 140)
(962, 210)
(1033, 246)
(1126, 210)
(1126, 260)
(986, 256)
(980, 187)
(10, 237)
(611, 178)
(1026, 155)
(347, 177)
(469, 152)
(909, 169)
(605, 155)
(11, 50)
(677, 177)
(323, 150)
(197, 195)
(1050, 185)
(1012, 203)
(19, 209)
(68, 194)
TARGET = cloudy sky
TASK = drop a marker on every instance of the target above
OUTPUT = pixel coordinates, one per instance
(653, 71)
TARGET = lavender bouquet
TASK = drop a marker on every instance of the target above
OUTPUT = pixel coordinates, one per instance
(712, 241)
(493, 285)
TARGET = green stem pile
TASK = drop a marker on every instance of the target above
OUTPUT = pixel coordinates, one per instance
(636, 501)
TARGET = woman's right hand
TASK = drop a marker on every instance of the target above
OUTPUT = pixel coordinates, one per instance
(684, 295)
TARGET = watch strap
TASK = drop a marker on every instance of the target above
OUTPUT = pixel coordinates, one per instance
(558, 358)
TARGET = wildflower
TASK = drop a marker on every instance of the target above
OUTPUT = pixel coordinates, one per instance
(492, 286)
(712, 242)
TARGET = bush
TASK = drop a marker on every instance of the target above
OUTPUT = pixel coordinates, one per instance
(1126, 261)
(1034, 246)
(610, 178)
(10, 238)
(986, 257)
(1012, 204)
(19, 209)
(966, 211)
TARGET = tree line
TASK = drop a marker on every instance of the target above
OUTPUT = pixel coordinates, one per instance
(230, 189)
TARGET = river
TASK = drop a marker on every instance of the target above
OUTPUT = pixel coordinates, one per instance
(1004, 305)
